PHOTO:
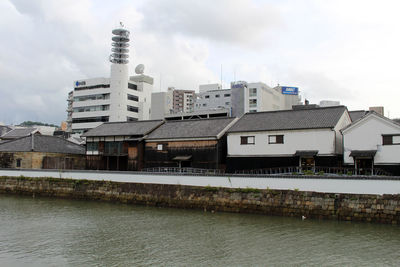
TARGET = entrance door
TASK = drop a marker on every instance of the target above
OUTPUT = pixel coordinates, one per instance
(307, 164)
(364, 166)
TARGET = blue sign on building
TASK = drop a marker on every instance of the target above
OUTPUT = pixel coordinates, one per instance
(290, 90)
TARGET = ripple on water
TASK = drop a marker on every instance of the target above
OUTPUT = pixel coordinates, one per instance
(61, 232)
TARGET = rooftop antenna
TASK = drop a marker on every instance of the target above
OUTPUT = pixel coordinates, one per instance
(221, 74)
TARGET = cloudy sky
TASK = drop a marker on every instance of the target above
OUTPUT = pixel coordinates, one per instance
(332, 50)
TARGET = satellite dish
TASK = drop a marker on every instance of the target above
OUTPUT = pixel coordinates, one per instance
(139, 69)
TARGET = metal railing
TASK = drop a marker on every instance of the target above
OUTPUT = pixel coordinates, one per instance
(185, 170)
(295, 170)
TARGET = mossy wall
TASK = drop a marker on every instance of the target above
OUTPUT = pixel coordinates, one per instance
(349, 207)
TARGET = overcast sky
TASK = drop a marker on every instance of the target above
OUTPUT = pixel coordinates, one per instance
(332, 50)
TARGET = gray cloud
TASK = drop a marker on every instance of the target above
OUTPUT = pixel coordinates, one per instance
(240, 22)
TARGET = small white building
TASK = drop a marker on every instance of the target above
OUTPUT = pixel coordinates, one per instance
(373, 141)
(305, 137)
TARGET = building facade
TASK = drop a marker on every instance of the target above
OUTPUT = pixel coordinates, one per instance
(118, 145)
(305, 138)
(188, 143)
(245, 97)
(372, 142)
(118, 98)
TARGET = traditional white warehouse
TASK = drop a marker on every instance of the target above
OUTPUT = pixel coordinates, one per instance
(373, 141)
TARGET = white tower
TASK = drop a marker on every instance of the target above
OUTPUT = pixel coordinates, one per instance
(118, 98)
(119, 74)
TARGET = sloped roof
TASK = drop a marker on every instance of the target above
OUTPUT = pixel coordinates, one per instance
(17, 133)
(368, 114)
(42, 143)
(356, 114)
(4, 129)
(123, 128)
(202, 128)
(313, 118)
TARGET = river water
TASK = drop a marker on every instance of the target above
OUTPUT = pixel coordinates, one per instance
(57, 232)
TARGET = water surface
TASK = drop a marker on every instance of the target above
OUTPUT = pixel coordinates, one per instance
(56, 232)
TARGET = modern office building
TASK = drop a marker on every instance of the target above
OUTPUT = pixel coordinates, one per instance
(116, 99)
(245, 97)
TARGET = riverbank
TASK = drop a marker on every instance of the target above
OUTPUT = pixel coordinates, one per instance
(292, 203)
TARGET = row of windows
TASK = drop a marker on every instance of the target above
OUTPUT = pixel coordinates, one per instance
(217, 96)
(92, 87)
(92, 119)
(251, 140)
(205, 104)
(92, 108)
(92, 97)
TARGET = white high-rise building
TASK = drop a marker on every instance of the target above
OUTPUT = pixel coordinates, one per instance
(118, 98)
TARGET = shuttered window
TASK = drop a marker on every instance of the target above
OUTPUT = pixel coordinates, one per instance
(247, 140)
(390, 140)
(275, 139)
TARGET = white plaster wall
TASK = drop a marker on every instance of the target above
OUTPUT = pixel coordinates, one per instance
(343, 122)
(322, 140)
(352, 186)
(367, 135)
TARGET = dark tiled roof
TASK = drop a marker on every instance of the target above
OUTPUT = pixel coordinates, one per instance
(123, 128)
(202, 128)
(17, 133)
(289, 119)
(356, 114)
(4, 129)
(42, 143)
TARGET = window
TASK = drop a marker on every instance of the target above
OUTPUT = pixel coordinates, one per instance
(204, 104)
(227, 95)
(390, 140)
(252, 110)
(216, 96)
(113, 148)
(253, 103)
(131, 119)
(92, 87)
(92, 119)
(253, 92)
(132, 86)
(275, 139)
(133, 98)
(247, 140)
(159, 147)
(132, 109)
(92, 146)
(207, 96)
(227, 103)
(19, 163)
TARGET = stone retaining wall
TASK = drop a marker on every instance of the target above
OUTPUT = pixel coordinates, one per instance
(349, 207)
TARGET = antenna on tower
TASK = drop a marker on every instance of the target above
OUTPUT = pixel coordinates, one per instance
(120, 45)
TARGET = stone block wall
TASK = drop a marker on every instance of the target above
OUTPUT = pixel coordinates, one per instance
(348, 207)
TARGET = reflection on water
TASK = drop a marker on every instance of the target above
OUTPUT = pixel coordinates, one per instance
(54, 232)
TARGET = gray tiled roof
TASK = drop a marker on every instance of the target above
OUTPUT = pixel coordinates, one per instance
(313, 118)
(42, 143)
(123, 128)
(356, 114)
(4, 129)
(17, 133)
(201, 128)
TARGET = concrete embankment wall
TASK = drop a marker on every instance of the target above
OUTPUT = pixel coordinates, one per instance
(349, 207)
